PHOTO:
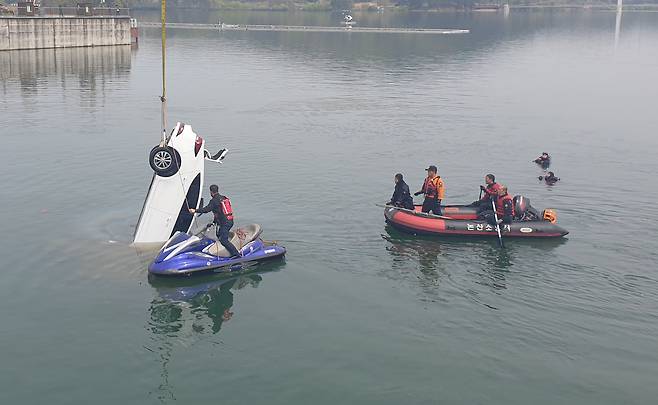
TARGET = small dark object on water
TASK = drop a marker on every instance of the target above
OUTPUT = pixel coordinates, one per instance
(550, 178)
(544, 160)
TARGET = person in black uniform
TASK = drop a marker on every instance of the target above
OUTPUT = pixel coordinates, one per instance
(401, 196)
(221, 208)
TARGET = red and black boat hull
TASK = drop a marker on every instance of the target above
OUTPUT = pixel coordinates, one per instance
(423, 224)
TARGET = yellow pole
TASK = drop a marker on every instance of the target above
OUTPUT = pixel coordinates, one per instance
(164, 39)
(163, 98)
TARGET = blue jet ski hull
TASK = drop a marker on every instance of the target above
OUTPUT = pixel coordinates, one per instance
(184, 255)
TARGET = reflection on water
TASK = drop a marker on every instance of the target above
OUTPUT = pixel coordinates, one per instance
(88, 64)
(617, 26)
(434, 259)
(211, 299)
(189, 309)
(199, 305)
(426, 253)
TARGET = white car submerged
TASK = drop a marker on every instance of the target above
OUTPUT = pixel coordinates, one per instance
(177, 184)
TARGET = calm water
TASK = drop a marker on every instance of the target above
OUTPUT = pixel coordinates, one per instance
(317, 125)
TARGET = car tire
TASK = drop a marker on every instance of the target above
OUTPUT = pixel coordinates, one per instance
(164, 160)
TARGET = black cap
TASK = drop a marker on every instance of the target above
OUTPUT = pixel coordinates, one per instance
(432, 168)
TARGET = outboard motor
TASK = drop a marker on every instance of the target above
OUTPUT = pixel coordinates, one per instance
(523, 210)
(521, 205)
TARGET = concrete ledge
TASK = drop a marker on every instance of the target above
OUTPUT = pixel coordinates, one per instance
(63, 32)
(57, 17)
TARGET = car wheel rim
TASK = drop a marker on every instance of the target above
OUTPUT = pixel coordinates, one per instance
(162, 160)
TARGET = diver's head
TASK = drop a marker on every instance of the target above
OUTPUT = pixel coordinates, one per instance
(490, 179)
(398, 178)
(214, 190)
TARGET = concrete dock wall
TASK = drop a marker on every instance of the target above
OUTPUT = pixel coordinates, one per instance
(62, 32)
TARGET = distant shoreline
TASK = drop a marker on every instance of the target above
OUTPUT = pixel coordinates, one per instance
(397, 9)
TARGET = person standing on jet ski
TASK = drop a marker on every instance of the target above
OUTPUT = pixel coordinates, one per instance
(401, 196)
(490, 191)
(221, 208)
(433, 189)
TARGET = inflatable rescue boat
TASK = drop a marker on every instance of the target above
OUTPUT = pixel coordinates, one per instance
(462, 220)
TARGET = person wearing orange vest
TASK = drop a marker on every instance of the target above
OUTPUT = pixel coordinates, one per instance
(433, 189)
(504, 208)
(490, 191)
(221, 208)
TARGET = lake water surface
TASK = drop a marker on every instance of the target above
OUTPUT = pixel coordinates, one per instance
(318, 124)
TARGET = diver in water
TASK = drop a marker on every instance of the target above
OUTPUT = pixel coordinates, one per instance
(401, 196)
(544, 160)
(433, 189)
(550, 178)
(504, 208)
(221, 208)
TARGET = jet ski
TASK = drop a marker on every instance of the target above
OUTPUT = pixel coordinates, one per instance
(184, 254)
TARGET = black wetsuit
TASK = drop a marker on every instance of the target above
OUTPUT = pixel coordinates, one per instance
(551, 179)
(401, 196)
(224, 224)
(544, 162)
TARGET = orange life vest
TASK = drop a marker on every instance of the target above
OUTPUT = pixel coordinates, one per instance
(433, 188)
(500, 205)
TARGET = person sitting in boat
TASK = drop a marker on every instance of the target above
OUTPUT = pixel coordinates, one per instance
(544, 160)
(504, 208)
(433, 189)
(489, 191)
(221, 208)
(550, 178)
(401, 196)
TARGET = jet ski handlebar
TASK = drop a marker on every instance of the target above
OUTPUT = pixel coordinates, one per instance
(204, 229)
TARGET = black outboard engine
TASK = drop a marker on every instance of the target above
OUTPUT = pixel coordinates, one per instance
(523, 210)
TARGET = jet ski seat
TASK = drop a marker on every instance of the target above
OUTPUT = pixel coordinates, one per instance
(239, 238)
